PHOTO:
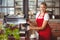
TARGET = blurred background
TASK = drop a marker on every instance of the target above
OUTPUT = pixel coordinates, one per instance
(28, 9)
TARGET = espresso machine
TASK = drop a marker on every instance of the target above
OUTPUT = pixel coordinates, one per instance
(21, 24)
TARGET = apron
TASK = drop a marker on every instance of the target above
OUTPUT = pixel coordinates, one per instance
(44, 34)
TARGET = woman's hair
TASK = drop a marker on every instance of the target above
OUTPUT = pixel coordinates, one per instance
(44, 3)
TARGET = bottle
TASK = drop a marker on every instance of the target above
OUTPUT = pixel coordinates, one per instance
(53, 17)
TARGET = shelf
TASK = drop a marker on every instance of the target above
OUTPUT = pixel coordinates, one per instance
(18, 6)
(18, 0)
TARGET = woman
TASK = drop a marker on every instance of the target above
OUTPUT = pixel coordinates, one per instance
(42, 19)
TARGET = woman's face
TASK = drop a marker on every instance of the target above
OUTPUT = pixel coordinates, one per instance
(42, 8)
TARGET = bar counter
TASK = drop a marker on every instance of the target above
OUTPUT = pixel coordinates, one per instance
(55, 26)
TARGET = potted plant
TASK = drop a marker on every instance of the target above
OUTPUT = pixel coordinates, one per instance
(12, 32)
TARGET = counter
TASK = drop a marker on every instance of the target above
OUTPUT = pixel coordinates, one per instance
(55, 28)
(54, 20)
(58, 20)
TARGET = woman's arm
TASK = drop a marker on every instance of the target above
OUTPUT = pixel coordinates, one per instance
(39, 28)
(33, 23)
(46, 19)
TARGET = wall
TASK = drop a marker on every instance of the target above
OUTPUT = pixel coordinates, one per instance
(55, 26)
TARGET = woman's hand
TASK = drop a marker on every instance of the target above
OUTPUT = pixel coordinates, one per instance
(29, 27)
(29, 23)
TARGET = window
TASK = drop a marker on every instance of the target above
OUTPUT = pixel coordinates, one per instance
(32, 8)
(53, 7)
(6, 7)
(19, 7)
(7, 2)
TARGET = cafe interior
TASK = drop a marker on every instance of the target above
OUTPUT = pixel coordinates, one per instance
(14, 14)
